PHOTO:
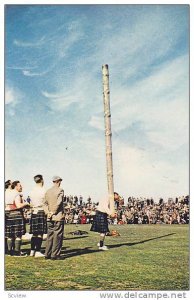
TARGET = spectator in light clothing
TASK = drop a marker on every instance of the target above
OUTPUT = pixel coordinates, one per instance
(38, 222)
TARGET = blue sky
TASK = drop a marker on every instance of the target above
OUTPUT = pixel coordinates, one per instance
(53, 97)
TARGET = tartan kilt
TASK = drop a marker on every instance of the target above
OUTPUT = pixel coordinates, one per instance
(38, 223)
(100, 223)
(14, 224)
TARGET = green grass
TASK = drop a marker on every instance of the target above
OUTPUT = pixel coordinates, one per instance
(143, 257)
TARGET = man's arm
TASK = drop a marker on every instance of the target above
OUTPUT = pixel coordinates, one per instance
(19, 202)
(59, 201)
(45, 204)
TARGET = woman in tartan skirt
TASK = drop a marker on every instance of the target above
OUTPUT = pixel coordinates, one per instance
(100, 221)
(38, 221)
(8, 189)
(14, 219)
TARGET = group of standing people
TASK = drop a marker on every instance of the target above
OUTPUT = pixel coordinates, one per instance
(47, 217)
(14, 221)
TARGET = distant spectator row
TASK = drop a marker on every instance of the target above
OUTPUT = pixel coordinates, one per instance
(136, 211)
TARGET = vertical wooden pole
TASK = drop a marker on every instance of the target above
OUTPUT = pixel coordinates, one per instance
(108, 135)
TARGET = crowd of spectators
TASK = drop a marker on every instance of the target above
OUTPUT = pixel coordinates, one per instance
(147, 211)
(135, 211)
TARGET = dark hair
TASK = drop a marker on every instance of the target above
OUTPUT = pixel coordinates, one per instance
(7, 184)
(14, 183)
(115, 193)
(38, 178)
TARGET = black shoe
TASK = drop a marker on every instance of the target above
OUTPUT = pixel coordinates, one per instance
(57, 258)
(47, 257)
(20, 254)
(9, 253)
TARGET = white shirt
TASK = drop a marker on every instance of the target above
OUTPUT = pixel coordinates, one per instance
(37, 196)
(10, 196)
(104, 206)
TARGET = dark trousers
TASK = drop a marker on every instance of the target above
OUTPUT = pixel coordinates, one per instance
(54, 238)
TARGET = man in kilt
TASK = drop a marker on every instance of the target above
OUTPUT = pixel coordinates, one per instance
(14, 219)
(100, 221)
(38, 222)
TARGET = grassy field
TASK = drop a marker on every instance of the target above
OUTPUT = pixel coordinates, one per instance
(143, 257)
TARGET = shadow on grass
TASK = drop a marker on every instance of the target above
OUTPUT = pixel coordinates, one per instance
(75, 237)
(26, 242)
(76, 252)
(141, 242)
(88, 250)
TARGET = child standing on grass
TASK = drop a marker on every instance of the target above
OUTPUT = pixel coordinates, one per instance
(100, 221)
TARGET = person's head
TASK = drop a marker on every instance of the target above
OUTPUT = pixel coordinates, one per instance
(39, 179)
(16, 185)
(116, 196)
(8, 184)
(57, 180)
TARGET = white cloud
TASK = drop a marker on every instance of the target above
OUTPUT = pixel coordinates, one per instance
(9, 96)
(58, 102)
(96, 122)
(31, 44)
(12, 96)
(171, 123)
(134, 47)
(50, 50)
(20, 68)
(31, 74)
(159, 102)
(80, 89)
(82, 165)
(136, 174)
(68, 41)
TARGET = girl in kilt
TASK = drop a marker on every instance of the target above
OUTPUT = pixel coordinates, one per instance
(14, 219)
(38, 221)
(100, 221)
